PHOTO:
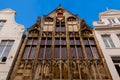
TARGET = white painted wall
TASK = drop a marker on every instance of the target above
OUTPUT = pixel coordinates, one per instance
(104, 27)
(10, 31)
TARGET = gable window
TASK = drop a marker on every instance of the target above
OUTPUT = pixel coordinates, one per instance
(116, 61)
(60, 14)
(5, 47)
(111, 21)
(108, 41)
(2, 22)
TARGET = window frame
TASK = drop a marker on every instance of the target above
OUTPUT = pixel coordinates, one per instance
(111, 21)
(27, 55)
(90, 44)
(116, 63)
(2, 23)
(108, 42)
(5, 46)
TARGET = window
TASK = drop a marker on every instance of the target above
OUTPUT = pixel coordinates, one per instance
(60, 14)
(72, 25)
(30, 48)
(108, 41)
(60, 48)
(2, 24)
(91, 48)
(119, 19)
(116, 61)
(5, 47)
(60, 26)
(111, 21)
(45, 48)
(75, 48)
(118, 35)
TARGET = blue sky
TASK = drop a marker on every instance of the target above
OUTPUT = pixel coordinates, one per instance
(29, 10)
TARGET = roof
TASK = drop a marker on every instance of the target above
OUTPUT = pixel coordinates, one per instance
(110, 12)
(60, 7)
(8, 10)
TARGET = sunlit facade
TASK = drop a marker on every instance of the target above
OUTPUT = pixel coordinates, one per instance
(10, 39)
(107, 31)
(60, 47)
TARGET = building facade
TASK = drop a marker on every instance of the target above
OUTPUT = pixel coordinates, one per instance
(107, 31)
(60, 47)
(10, 38)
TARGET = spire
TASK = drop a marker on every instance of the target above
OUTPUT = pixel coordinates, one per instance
(38, 20)
(60, 6)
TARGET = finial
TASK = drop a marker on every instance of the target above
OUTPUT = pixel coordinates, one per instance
(107, 8)
(60, 6)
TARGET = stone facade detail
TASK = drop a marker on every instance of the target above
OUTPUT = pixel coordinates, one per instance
(60, 47)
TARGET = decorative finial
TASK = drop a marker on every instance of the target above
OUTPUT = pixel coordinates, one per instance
(107, 8)
(60, 6)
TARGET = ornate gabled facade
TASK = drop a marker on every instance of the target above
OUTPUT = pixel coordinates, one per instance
(60, 47)
(10, 40)
(107, 31)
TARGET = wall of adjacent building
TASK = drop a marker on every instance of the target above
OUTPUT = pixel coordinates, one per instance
(10, 31)
(110, 52)
(104, 27)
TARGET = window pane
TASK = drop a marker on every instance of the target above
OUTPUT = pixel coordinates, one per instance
(1, 49)
(64, 54)
(32, 54)
(72, 41)
(2, 24)
(57, 29)
(118, 36)
(6, 51)
(95, 52)
(79, 52)
(62, 24)
(111, 42)
(57, 41)
(73, 52)
(26, 52)
(63, 41)
(88, 51)
(118, 69)
(57, 52)
(35, 41)
(4, 42)
(29, 42)
(43, 41)
(77, 41)
(10, 42)
(92, 41)
(116, 59)
(85, 40)
(108, 41)
(41, 52)
(49, 41)
(70, 27)
(63, 29)
(48, 50)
